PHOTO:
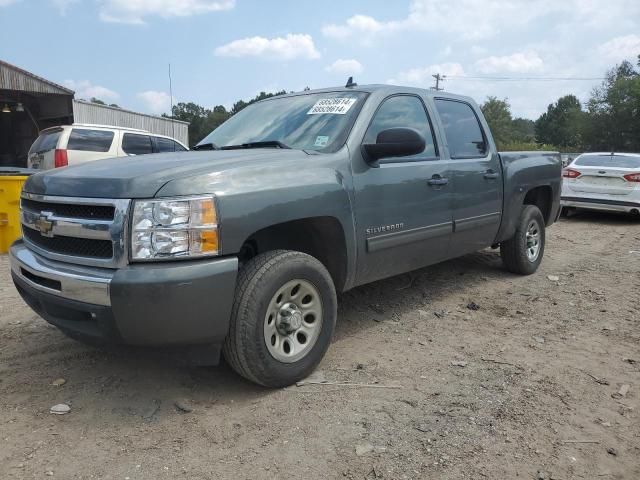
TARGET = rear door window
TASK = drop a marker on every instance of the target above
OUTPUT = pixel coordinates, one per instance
(47, 140)
(134, 144)
(462, 129)
(90, 140)
(611, 161)
(168, 145)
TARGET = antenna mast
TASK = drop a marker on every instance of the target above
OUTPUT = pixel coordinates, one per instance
(173, 132)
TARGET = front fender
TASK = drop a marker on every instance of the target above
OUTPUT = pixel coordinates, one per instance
(256, 198)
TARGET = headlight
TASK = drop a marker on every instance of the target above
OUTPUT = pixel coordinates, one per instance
(174, 228)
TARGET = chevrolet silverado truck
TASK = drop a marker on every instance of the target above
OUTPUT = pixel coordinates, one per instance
(240, 247)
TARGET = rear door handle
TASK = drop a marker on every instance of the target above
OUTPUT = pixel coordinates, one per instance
(491, 175)
(437, 180)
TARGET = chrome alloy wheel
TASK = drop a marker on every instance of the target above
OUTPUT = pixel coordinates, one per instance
(533, 241)
(293, 321)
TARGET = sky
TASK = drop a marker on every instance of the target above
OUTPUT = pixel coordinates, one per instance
(221, 51)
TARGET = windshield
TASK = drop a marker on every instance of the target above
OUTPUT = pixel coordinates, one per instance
(612, 161)
(318, 121)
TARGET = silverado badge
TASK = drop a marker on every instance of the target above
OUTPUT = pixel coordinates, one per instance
(385, 228)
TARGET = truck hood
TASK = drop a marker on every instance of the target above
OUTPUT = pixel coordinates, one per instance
(144, 176)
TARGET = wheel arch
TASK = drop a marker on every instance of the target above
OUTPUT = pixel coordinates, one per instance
(322, 237)
(541, 197)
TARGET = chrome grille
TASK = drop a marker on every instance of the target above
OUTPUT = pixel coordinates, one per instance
(82, 247)
(85, 231)
(96, 212)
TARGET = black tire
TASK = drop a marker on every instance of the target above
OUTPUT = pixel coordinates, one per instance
(514, 251)
(258, 282)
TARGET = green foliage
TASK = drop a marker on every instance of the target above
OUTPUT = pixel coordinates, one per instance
(498, 116)
(524, 130)
(97, 100)
(614, 111)
(562, 124)
(518, 146)
(506, 130)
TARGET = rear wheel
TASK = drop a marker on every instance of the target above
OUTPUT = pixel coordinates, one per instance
(283, 318)
(524, 251)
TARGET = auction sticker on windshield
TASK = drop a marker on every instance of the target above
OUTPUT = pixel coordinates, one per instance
(335, 106)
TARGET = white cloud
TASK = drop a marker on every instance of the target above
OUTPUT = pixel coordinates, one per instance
(479, 19)
(86, 90)
(63, 5)
(423, 76)
(621, 48)
(5, 3)
(156, 102)
(358, 24)
(135, 11)
(519, 62)
(280, 48)
(343, 66)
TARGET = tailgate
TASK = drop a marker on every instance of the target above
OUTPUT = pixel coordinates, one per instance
(41, 160)
(42, 153)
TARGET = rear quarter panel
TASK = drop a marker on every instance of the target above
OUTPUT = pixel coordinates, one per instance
(522, 172)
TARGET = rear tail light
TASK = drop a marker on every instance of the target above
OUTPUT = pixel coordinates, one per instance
(570, 173)
(60, 158)
(632, 177)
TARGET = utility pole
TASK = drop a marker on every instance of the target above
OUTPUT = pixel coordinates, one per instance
(439, 78)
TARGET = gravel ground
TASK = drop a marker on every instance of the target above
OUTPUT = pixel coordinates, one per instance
(530, 385)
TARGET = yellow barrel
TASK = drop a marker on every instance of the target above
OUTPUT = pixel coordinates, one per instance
(10, 188)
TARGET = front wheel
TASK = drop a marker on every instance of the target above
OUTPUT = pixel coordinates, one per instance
(523, 252)
(283, 318)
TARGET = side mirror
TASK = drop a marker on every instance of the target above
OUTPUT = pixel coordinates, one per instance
(395, 142)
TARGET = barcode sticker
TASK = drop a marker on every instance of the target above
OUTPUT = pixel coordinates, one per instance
(334, 106)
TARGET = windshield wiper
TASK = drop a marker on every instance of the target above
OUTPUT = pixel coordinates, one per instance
(263, 144)
(206, 146)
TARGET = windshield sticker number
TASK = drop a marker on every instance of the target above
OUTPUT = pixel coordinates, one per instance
(334, 106)
(321, 141)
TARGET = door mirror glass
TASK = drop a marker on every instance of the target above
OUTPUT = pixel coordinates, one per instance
(395, 142)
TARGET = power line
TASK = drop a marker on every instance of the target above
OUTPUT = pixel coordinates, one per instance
(526, 79)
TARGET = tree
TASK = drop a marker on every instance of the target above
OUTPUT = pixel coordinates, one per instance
(614, 111)
(524, 130)
(498, 116)
(562, 124)
(97, 100)
(199, 118)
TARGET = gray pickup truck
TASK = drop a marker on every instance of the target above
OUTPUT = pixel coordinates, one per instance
(240, 246)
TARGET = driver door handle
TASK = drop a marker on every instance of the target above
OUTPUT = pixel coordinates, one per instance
(491, 175)
(437, 180)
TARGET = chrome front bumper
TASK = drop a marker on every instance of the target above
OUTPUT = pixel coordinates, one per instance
(74, 282)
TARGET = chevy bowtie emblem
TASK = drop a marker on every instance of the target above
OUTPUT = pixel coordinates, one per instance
(44, 224)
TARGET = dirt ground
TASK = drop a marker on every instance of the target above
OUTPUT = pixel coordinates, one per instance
(531, 385)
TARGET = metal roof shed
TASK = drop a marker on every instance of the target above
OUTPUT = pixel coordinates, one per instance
(28, 104)
(95, 113)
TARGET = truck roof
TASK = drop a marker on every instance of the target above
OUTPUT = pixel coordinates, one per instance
(385, 89)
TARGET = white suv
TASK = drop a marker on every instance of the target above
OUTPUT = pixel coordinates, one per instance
(81, 143)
